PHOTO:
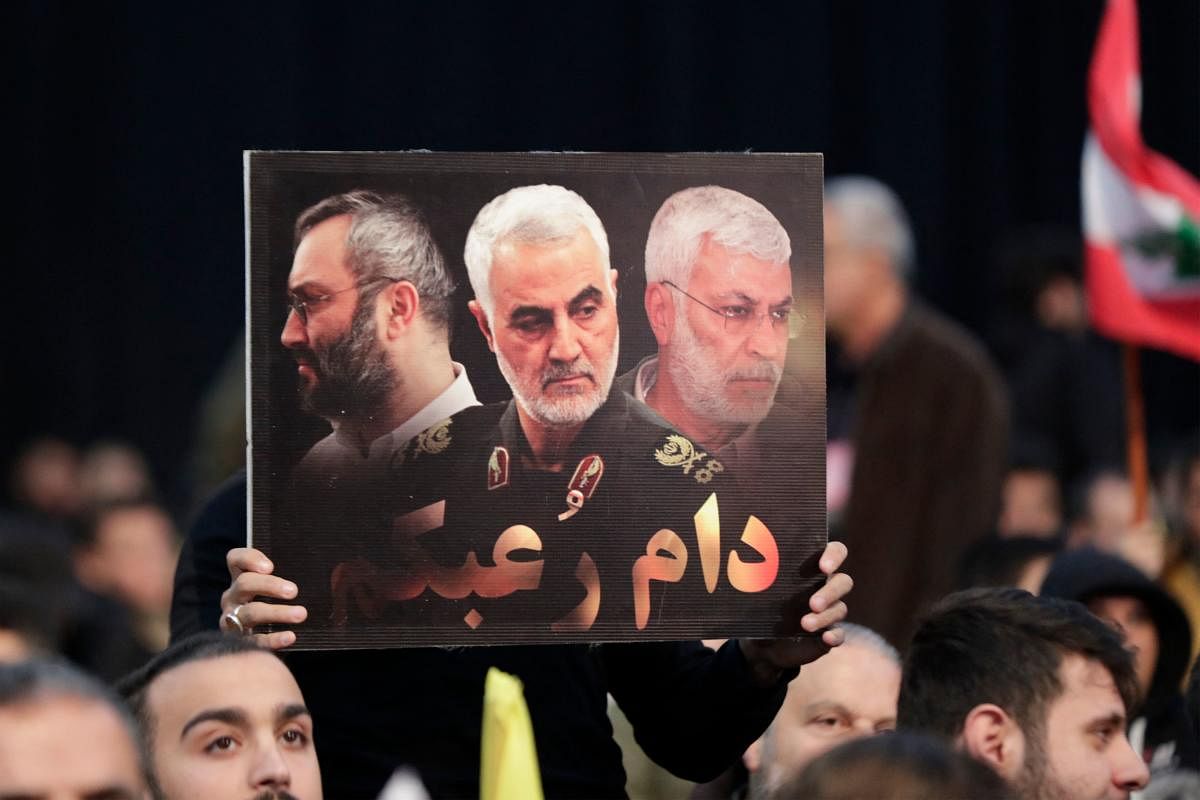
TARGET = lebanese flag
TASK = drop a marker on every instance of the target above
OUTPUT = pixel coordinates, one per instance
(1141, 211)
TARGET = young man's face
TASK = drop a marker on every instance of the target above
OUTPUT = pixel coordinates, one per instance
(731, 375)
(554, 326)
(232, 727)
(1083, 753)
(67, 747)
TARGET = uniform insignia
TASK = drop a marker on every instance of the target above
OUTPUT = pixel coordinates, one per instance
(497, 470)
(678, 451)
(433, 440)
(583, 484)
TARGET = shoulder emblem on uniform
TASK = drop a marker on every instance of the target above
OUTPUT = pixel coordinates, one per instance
(497, 471)
(433, 440)
(678, 451)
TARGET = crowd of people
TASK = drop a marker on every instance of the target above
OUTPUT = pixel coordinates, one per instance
(1015, 629)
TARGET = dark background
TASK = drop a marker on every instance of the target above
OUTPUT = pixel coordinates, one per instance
(125, 291)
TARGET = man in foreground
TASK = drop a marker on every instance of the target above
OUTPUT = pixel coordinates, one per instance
(64, 736)
(222, 719)
(1037, 688)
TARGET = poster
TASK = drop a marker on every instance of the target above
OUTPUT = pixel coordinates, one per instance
(535, 398)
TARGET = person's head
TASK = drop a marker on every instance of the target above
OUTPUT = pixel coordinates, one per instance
(1031, 502)
(223, 719)
(1154, 626)
(847, 693)
(65, 736)
(719, 300)
(369, 289)
(45, 478)
(898, 766)
(114, 471)
(868, 247)
(545, 300)
(127, 550)
(1015, 561)
(1036, 687)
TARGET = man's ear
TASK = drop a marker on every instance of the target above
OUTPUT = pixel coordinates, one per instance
(990, 735)
(482, 321)
(401, 302)
(660, 312)
(752, 758)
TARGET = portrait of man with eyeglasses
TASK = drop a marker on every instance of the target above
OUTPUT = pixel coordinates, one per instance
(368, 327)
(719, 301)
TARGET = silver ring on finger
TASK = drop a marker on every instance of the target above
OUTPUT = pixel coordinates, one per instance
(233, 619)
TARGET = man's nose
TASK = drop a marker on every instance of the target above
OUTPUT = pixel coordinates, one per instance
(564, 342)
(1129, 771)
(270, 769)
(294, 334)
(765, 338)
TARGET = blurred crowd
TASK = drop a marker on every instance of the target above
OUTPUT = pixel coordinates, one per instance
(957, 461)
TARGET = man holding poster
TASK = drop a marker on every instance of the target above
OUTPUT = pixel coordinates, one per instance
(694, 709)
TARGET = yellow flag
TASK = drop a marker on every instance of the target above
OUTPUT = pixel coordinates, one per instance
(508, 767)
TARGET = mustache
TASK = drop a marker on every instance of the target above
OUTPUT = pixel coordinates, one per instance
(275, 795)
(758, 371)
(559, 371)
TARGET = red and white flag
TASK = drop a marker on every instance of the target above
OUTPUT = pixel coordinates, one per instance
(1141, 211)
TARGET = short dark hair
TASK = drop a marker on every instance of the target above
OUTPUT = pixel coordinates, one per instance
(1001, 646)
(201, 646)
(899, 765)
(388, 238)
(135, 686)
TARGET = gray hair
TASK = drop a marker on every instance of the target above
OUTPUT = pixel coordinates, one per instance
(872, 216)
(862, 636)
(44, 679)
(738, 223)
(388, 238)
(530, 215)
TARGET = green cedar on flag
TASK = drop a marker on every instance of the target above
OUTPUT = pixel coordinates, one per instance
(1141, 211)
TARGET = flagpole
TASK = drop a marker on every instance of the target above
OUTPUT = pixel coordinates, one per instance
(1135, 432)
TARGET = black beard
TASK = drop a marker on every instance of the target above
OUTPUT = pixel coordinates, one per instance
(354, 376)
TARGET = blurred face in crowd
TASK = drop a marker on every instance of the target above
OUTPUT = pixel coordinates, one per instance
(133, 558)
(343, 369)
(1031, 505)
(67, 748)
(1132, 619)
(848, 693)
(729, 369)
(849, 273)
(1082, 752)
(230, 728)
(47, 478)
(554, 326)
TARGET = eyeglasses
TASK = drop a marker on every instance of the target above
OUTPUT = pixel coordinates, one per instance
(303, 305)
(742, 320)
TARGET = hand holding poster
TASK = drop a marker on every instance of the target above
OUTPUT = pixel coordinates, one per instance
(666, 483)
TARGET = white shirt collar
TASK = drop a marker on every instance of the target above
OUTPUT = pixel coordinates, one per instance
(644, 378)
